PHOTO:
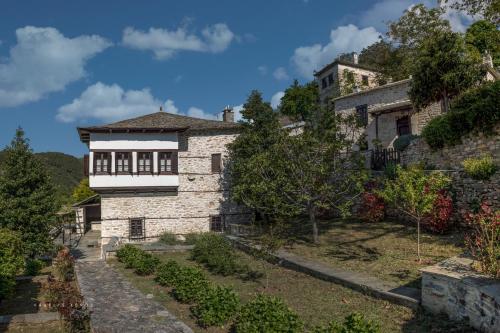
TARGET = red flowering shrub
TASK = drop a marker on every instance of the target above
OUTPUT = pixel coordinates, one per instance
(372, 207)
(438, 220)
(483, 240)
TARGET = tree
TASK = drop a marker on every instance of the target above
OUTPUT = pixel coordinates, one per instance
(483, 36)
(443, 69)
(489, 9)
(300, 102)
(82, 191)
(414, 192)
(388, 59)
(11, 260)
(27, 202)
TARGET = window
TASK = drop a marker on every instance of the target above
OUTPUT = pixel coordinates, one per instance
(330, 79)
(324, 84)
(216, 163)
(144, 162)
(403, 125)
(102, 163)
(216, 223)
(362, 113)
(137, 228)
(122, 162)
(364, 80)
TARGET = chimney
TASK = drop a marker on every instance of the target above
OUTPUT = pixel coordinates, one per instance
(355, 58)
(228, 115)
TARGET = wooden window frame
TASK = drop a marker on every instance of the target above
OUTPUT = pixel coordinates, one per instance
(142, 221)
(173, 164)
(108, 158)
(216, 158)
(362, 114)
(151, 166)
(130, 163)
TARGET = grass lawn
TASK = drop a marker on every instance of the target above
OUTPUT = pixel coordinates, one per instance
(387, 250)
(50, 327)
(316, 301)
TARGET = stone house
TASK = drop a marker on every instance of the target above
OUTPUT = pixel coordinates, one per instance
(158, 173)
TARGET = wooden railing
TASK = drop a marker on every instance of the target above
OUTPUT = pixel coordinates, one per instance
(381, 158)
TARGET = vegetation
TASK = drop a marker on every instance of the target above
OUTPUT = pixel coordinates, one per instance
(168, 274)
(414, 192)
(489, 9)
(142, 262)
(33, 267)
(267, 314)
(403, 141)
(190, 285)
(475, 110)
(27, 202)
(372, 207)
(300, 102)
(484, 37)
(439, 218)
(168, 238)
(484, 239)
(11, 260)
(82, 191)
(354, 323)
(480, 168)
(216, 307)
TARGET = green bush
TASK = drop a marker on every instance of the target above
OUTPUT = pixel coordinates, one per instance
(11, 260)
(128, 254)
(267, 314)
(475, 110)
(354, 323)
(216, 253)
(480, 168)
(168, 274)
(33, 267)
(190, 285)
(191, 238)
(216, 307)
(403, 141)
(145, 264)
(169, 238)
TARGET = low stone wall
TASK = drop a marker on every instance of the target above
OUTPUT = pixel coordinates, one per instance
(452, 287)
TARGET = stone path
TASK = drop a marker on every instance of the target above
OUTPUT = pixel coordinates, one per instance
(117, 306)
(409, 297)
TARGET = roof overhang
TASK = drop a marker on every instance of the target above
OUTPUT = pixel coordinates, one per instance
(393, 107)
(84, 132)
(90, 201)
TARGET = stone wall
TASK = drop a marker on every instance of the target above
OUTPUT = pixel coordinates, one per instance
(451, 287)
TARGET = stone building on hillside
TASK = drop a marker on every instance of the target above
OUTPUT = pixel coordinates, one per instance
(158, 173)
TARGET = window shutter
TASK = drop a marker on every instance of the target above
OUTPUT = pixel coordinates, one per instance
(175, 163)
(216, 163)
(130, 166)
(109, 162)
(86, 165)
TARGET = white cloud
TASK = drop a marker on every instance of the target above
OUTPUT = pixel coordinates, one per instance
(280, 74)
(381, 12)
(170, 106)
(347, 38)
(166, 43)
(459, 21)
(44, 61)
(276, 99)
(262, 70)
(199, 113)
(237, 112)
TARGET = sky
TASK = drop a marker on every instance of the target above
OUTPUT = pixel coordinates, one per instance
(65, 64)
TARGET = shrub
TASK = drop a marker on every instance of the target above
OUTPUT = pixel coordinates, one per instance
(439, 218)
(128, 254)
(191, 238)
(475, 110)
(267, 314)
(403, 141)
(354, 323)
(480, 168)
(372, 207)
(217, 306)
(216, 253)
(33, 267)
(168, 238)
(168, 274)
(145, 264)
(64, 265)
(11, 260)
(190, 285)
(483, 240)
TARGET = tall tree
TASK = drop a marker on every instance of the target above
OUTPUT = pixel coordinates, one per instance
(27, 202)
(389, 60)
(489, 9)
(82, 191)
(483, 36)
(443, 69)
(300, 102)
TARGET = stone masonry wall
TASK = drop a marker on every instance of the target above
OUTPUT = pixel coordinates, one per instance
(200, 195)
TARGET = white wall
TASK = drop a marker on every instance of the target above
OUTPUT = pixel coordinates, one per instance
(133, 141)
(106, 181)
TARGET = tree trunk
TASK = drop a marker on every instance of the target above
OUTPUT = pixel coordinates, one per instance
(312, 219)
(418, 240)
(446, 102)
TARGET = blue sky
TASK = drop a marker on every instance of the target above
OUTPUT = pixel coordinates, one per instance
(74, 63)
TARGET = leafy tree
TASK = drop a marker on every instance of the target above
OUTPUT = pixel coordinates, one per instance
(11, 260)
(414, 192)
(27, 202)
(300, 102)
(484, 36)
(489, 9)
(82, 191)
(389, 60)
(443, 69)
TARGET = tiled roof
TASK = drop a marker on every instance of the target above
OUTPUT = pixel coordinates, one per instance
(345, 63)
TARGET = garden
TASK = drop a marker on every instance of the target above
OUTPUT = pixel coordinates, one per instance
(215, 288)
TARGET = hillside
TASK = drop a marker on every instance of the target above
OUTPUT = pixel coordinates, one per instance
(66, 171)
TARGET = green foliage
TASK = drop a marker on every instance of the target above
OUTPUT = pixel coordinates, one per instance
(443, 69)
(348, 82)
(169, 238)
(475, 110)
(11, 260)
(489, 9)
(64, 265)
(27, 201)
(82, 191)
(33, 267)
(480, 168)
(191, 238)
(216, 307)
(354, 323)
(216, 253)
(267, 314)
(403, 141)
(145, 264)
(300, 102)
(128, 254)
(389, 60)
(190, 285)
(484, 37)
(169, 273)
